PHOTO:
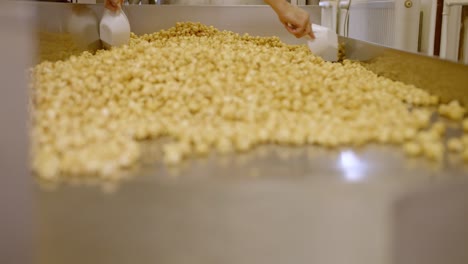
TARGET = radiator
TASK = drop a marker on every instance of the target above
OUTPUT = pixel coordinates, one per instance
(392, 23)
(453, 41)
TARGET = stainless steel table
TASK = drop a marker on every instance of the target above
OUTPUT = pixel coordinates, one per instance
(272, 205)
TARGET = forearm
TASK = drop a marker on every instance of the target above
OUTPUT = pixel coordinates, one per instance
(113, 5)
(295, 19)
(277, 5)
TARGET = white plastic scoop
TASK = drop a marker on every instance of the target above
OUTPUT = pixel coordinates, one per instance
(114, 28)
(325, 43)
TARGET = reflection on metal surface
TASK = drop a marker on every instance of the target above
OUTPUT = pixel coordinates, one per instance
(443, 78)
(83, 25)
(353, 168)
(372, 164)
(64, 32)
(56, 46)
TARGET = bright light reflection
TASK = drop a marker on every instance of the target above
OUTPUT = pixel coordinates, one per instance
(353, 168)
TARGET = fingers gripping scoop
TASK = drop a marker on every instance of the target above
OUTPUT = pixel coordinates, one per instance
(325, 43)
(114, 28)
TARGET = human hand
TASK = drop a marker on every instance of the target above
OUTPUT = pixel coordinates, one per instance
(113, 5)
(296, 21)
